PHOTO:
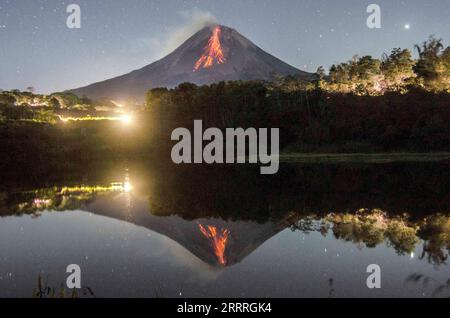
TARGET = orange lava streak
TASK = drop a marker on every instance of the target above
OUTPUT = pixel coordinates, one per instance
(213, 52)
(218, 240)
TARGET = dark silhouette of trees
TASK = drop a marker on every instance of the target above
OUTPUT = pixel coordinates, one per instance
(312, 120)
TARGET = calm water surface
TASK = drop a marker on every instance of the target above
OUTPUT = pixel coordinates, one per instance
(310, 231)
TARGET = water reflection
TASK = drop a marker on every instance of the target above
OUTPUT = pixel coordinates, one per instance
(58, 198)
(370, 228)
(438, 289)
(222, 217)
(218, 239)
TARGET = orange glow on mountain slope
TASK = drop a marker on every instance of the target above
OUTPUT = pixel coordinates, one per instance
(213, 52)
(218, 240)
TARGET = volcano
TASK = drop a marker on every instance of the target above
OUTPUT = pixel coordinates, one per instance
(215, 53)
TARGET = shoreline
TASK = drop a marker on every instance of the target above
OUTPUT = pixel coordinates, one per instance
(374, 158)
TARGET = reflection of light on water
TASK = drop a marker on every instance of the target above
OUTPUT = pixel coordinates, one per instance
(66, 197)
(42, 202)
(116, 186)
(127, 187)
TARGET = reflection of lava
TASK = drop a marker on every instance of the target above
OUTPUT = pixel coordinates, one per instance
(218, 240)
(213, 52)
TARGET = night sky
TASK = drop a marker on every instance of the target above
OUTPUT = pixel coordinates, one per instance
(37, 49)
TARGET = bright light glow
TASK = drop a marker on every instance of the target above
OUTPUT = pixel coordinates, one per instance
(89, 118)
(127, 187)
(126, 119)
(407, 26)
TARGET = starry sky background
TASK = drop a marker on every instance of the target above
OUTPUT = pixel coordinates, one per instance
(117, 36)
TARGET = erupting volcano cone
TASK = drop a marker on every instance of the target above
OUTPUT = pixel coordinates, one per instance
(215, 53)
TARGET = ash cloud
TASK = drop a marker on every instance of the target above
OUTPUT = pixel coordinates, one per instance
(193, 21)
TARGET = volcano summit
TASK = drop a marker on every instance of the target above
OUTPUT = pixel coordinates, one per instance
(215, 53)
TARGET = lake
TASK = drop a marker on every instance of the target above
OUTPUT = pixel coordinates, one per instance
(148, 230)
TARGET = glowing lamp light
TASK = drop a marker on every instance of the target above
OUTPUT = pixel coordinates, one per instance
(126, 119)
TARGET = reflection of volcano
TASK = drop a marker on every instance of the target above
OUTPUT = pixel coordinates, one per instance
(218, 239)
(214, 241)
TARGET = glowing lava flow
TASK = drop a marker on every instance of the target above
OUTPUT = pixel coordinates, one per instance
(213, 52)
(218, 240)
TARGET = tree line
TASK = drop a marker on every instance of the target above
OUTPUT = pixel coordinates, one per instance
(397, 71)
(309, 121)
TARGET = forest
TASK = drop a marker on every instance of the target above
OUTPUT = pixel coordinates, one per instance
(311, 121)
(394, 72)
